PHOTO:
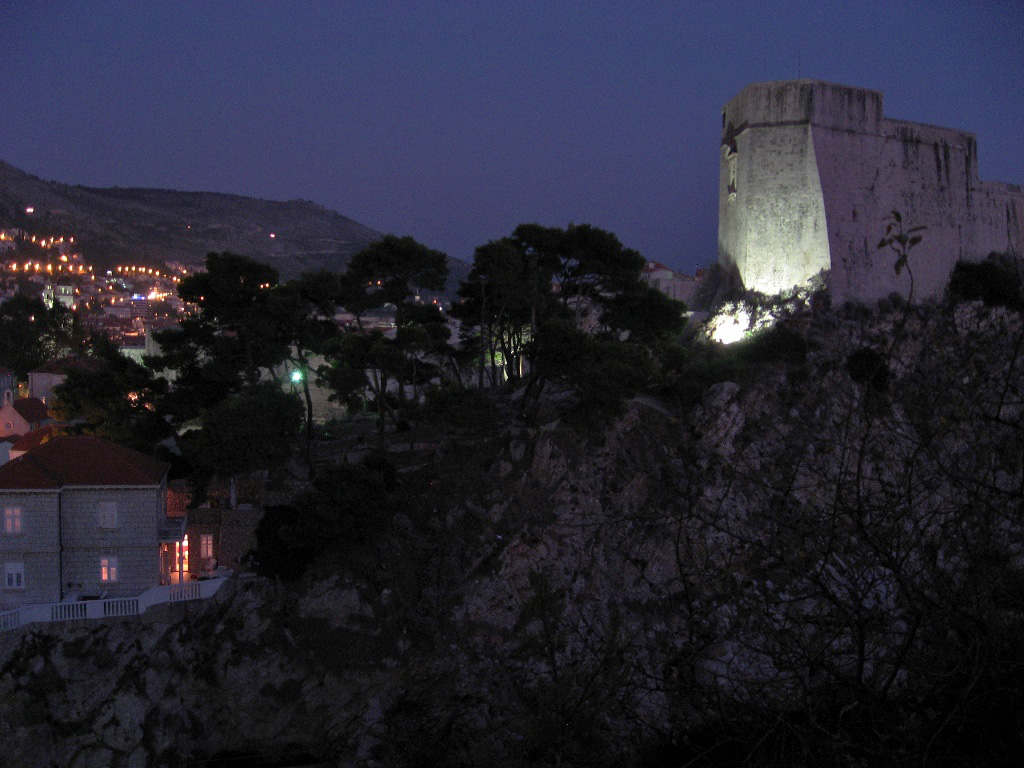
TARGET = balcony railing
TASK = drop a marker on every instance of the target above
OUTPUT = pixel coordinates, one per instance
(114, 607)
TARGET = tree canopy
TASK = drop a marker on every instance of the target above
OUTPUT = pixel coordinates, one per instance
(568, 304)
(32, 333)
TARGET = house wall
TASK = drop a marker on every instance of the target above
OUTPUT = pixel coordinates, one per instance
(817, 171)
(680, 288)
(36, 547)
(41, 385)
(135, 540)
(234, 534)
(12, 422)
(8, 387)
(202, 521)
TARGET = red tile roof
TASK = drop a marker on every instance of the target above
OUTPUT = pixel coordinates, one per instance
(31, 409)
(33, 439)
(80, 460)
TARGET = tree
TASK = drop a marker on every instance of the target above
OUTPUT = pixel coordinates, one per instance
(253, 430)
(520, 284)
(502, 298)
(115, 399)
(302, 313)
(644, 313)
(231, 341)
(390, 271)
(592, 267)
(32, 333)
(602, 372)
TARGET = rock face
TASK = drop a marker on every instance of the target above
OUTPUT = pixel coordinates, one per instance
(809, 555)
(811, 170)
(230, 676)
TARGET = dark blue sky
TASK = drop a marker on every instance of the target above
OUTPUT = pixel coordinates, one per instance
(453, 122)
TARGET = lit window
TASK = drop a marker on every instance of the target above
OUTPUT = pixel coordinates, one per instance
(108, 569)
(108, 514)
(206, 546)
(15, 575)
(181, 553)
(12, 521)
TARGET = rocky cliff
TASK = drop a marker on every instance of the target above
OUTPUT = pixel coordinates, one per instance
(820, 564)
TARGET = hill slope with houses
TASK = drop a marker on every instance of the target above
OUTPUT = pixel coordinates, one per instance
(155, 226)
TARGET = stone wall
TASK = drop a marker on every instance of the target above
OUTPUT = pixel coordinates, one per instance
(134, 541)
(809, 173)
(35, 547)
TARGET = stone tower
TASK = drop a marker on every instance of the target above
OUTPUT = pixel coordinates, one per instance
(809, 173)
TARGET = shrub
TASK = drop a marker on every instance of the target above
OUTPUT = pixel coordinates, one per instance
(778, 344)
(996, 281)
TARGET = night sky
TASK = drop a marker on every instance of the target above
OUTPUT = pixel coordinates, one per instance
(454, 122)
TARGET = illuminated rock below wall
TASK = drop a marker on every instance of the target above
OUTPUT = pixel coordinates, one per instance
(809, 173)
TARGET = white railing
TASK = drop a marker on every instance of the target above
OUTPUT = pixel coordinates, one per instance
(114, 607)
(190, 590)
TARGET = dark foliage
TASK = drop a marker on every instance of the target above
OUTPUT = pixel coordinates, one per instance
(868, 367)
(113, 397)
(472, 410)
(345, 513)
(31, 333)
(778, 344)
(253, 430)
(996, 281)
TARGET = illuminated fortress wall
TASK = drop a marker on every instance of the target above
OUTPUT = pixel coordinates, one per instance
(811, 170)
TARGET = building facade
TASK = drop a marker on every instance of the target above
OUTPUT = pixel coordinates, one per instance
(810, 172)
(83, 518)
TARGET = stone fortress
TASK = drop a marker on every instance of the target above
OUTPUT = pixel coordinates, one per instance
(810, 171)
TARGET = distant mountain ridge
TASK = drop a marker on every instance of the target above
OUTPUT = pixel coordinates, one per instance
(153, 226)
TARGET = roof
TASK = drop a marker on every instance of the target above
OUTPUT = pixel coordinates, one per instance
(64, 364)
(31, 409)
(80, 460)
(33, 439)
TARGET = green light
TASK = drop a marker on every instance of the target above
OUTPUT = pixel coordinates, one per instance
(296, 376)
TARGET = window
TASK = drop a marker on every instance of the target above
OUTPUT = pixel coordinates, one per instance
(206, 546)
(108, 569)
(14, 575)
(12, 521)
(108, 514)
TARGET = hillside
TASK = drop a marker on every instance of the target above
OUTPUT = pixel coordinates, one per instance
(155, 226)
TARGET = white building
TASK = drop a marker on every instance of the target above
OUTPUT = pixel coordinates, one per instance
(675, 285)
